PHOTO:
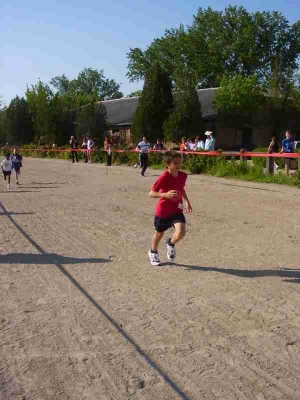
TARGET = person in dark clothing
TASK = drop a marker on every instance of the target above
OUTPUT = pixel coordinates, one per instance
(74, 145)
(274, 145)
(287, 147)
(274, 148)
(109, 154)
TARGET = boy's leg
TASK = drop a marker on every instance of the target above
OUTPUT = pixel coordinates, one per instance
(177, 236)
(156, 240)
(153, 254)
(179, 232)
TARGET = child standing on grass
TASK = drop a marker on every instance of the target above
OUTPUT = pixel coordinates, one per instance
(169, 189)
(6, 167)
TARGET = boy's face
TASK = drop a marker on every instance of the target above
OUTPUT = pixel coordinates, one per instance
(288, 135)
(175, 165)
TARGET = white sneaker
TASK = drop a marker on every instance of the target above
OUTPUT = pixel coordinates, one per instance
(135, 165)
(154, 258)
(8, 186)
(171, 252)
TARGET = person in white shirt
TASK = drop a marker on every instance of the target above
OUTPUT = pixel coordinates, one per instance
(192, 144)
(6, 167)
(210, 141)
(143, 147)
(90, 146)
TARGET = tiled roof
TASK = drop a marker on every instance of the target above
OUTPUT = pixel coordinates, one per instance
(121, 111)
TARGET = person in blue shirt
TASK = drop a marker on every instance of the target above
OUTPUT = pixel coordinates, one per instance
(287, 147)
(16, 159)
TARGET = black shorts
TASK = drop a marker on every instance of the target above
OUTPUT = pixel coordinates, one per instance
(6, 173)
(17, 169)
(163, 224)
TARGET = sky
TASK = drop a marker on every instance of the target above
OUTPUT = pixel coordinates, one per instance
(40, 40)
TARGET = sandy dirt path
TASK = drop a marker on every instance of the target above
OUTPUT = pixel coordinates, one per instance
(85, 316)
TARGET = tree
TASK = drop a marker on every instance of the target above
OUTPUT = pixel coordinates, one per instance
(185, 119)
(238, 101)
(3, 131)
(155, 104)
(136, 93)
(19, 125)
(39, 101)
(220, 43)
(91, 119)
(88, 82)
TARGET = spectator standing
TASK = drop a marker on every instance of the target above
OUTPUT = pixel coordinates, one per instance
(84, 147)
(192, 144)
(90, 147)
(287, 147)
(73, 146)
(210, 141)
(158, 145)
(109, 154)
(274, 148)
(184, 144)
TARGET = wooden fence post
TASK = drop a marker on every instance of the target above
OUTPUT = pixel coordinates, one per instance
(287, 166)
(242, 157)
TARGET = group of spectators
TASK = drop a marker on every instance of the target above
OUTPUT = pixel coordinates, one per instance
(198, 144)
(87, 147)
(287, 146)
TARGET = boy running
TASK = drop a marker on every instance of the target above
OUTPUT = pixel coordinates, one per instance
(169, 189)
(16, 159)
(6, 167)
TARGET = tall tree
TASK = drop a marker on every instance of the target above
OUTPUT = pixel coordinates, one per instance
(19, 124)
(154, 107)
(238, 101)
(39, 98)
(185, 119)
(91, 119)
(220, 43)
(88, 82)
(3, 130)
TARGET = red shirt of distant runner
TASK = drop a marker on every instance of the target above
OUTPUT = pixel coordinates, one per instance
(166, 208)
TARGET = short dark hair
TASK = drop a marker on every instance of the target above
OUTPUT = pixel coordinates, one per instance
(7, 155)
(169, 156)
(289, 131)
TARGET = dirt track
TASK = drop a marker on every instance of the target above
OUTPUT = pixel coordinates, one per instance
(85, 316)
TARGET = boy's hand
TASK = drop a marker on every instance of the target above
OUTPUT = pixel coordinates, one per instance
(171, 194)
(189, 207)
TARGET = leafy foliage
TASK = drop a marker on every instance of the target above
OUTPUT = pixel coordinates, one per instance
(223, 43)
(88, 82)
(19, 124)
(185, 119)
(154, 105)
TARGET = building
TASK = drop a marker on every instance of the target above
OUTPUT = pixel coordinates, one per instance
(120, 114)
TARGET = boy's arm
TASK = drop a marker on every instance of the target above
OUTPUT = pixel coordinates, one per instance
(171, 194)
(189, 206)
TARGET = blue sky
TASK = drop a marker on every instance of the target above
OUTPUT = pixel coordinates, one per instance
(45, 39)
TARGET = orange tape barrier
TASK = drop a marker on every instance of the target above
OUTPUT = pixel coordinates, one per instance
(202, 153)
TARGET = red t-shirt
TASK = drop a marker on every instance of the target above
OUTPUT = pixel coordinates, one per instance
(166, 207)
